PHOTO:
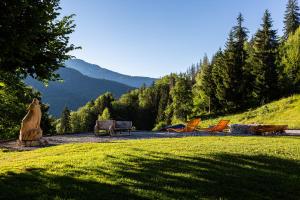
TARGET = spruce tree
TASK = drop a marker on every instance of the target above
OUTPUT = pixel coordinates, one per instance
(226, 89)
(217, 65)
(291, 18)
(181, 95)
(264, 62)
(65, 124)
(240, 55)
(229, 69)
(203, 89)
(192, 72)
(248, 75)
(164, 95)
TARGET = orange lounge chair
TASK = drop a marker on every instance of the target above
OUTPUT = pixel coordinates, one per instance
(219, 127)
(190, 126)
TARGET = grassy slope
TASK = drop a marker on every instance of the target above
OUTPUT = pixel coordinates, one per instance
(284, 111)
(183, 168)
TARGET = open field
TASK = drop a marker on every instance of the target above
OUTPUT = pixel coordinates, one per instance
(284, 111)
(209, 167)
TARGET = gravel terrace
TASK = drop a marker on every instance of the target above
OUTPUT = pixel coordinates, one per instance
(90, 137)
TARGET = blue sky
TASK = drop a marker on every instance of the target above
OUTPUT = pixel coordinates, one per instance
(157, 37)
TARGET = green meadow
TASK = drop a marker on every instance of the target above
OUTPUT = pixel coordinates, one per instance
(284, 111)
(213, 167)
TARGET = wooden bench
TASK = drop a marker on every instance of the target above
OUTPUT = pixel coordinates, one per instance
(266, 129)
(123, 126)
(112, 126)
(106, 125)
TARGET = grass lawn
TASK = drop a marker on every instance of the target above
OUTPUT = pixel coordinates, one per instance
(284, 111)
(180, 168)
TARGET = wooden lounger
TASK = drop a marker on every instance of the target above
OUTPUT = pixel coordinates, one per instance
(263, 129)
(190, 127)
(217, 128)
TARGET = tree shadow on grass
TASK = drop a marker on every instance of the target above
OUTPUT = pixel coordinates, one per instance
(219, 176)
(37, 184)
(155, 175)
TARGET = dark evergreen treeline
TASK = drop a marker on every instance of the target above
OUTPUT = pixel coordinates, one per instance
(245, 74)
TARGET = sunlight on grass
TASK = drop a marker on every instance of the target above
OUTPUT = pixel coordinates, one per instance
(192, 167)
(284, 111)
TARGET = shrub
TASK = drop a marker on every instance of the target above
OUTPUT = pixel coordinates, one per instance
(159, 126)
(105, 115)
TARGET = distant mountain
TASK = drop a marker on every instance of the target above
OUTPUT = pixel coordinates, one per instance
(96, 71)
(75, 91)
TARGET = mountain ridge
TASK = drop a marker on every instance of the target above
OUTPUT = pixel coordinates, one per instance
(75, 90)
(96, 71)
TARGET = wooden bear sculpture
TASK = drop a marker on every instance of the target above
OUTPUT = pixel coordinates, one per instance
(30, 127)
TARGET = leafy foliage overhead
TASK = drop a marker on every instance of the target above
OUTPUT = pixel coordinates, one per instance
(34, 38)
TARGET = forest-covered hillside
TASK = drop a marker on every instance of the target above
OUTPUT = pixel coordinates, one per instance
(250, 71)
(75, 90)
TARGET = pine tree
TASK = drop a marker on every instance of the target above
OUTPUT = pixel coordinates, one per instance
(192, 72)
(181, 94)
(226, 88)
(291, 18)
(240, 55)
(248, 76)
(229, 69)
(65, 125)
(240, 38)
(148, 107)
(203, 89)
(164, 95)
(264, 62)
(291, 62)
(217, 65)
